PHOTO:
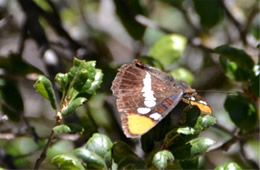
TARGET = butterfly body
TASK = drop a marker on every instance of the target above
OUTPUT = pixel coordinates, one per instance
(146, 95)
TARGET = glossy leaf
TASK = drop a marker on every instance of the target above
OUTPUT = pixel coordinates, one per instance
(254, 81)
(44, 87)
(241, 111)
(125, 158)
(82, 79)
(168, 49)
(240, 57)
(120, 150)
(163, 159)
(210, 12)
(204, 122)
(132, 162)
(183, 74)
(228, 166)
(127, 12)
(186, 131)
(200, 145)
(233, 71)
(92, 160)
(62, 129)
(192, 148)
(100, 144)
(67, 161)
(73, 106)
(13, 102)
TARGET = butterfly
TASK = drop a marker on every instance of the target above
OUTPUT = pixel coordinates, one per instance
(146, 95)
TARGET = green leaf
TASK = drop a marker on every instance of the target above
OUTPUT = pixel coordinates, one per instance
(192, 148)
(121, 150)
(241, 111)
(125, 157)
(68, 128)
(62, 129)
(132, 162)
(82, 79)
(127, 12)
(67, 161)
(44, 87)
(62, 80)
(100, 144)
(96, 82)
(163, 159)
(92, 160)
(210, 12)
(186, 131)
(228, 166)
(200, 145)
(183, 74)
(12, 104)
(20, 146)
(168, 49)
(254, 81)
(233, 71)
(240, 57)
(204, 122)
(73, 106)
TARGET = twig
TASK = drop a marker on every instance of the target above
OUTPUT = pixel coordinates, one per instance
(188, 19)
(226, 145)
(51, 137)
(222, 128)
(250, 17)
(29, 127)
(151, 24)
(235, 22)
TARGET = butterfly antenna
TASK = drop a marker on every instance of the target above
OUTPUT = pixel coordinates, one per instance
(218, 91)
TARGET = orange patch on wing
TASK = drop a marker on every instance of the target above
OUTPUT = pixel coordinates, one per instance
(138, 124)
(169, 101)
(204, 108)
(161, 109)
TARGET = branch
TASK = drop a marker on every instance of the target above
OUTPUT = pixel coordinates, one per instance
(51, 137)
(226, 145)
(238, 25)
(29, 127)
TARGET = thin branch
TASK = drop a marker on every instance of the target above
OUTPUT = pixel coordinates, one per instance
(188, 19)
(51, 137)
(151, 24)
(226, 145)
(251, 17)
(222, 128)
(238, 25)
(29, 127)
